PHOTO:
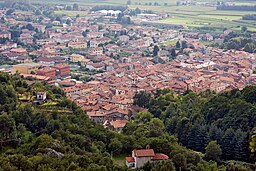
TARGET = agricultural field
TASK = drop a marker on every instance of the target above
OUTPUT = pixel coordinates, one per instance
(189, 16)
(71, 13)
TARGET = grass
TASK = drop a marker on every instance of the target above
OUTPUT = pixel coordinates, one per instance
(207, 43)
(170, 42)
(191, 16)
(71, 13)
(120, 159)
(50, 103)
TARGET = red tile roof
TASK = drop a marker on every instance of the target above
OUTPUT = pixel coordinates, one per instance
(119, 123)
(160, 156)
(129, 159)
(144, 153)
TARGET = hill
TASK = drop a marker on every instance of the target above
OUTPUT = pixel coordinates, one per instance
(58, 135)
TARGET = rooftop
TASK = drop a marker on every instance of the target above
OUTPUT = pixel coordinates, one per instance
(144, 153)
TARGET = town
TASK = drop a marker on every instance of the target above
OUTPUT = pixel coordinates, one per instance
(103, 59)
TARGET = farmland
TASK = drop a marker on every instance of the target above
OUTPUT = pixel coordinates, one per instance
(189, 16)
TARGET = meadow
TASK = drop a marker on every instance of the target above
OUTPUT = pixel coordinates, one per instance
(189, 16)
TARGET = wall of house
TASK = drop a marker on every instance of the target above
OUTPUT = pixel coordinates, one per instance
(140, 161)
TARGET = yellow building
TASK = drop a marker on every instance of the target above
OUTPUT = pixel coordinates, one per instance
(77, 45)
(76, 58)
(26, 68)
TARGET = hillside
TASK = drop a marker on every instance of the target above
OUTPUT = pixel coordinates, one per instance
(197, 119)
(58, 135)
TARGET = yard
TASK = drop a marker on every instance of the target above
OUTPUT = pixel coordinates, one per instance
(120, 159)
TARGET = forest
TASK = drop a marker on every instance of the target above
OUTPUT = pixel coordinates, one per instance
(249, 17)
(237, 7)
(196, 120)
(242, 41)
(197, 132)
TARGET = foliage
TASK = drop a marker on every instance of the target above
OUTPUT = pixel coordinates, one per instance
(196, 120)
(213, 151)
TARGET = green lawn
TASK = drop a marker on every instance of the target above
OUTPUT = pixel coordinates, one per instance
(207, 43)
(50, 103)
(71, 13)
(120, 159)
(170, 42)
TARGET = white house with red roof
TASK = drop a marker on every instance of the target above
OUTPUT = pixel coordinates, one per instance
(141, 157)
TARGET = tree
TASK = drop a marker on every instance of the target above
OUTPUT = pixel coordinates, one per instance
(244, 29)
(8, 127)
(206, 166)
(84, 33)
(253, 142)
(241, 145)
(178, 45)
(173, 53)
(115, 146)
(137, 11)
(250, 47)
(10, 11)
(129, 2)
(180, 161)
(20, 162)
(228, 144)
(155, 50)
(213, 151)
(38, 12)
(75, 7)
(69, 8)
(44, 141)
(30, 27)
(68, 22)
(184, 44)
(142, 99)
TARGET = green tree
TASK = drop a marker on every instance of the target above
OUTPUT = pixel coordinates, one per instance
(75, 7)
(155, 50)
(173, 53)
(8, 127)
(184, 44)
(142, 99)
(129, 2)
(213, 151)
(244, 29)
(30, 27)
(207, 166)
(253, 142)
(180, 161)
(228, 143)
(115, 146)
(178, 45)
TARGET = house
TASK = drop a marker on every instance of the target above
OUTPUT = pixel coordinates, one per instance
(77, 45)
(96, 51)
(23, 59)
(92, 35)
(26, 68)
(40, 98)
(227, 32)
(39, 27)
(95, 66)
(124, 38)
(48, 72)
(115, 125)
(63, 70)
(5, 35)
(205, 37)
(76, 58)
(141, 157)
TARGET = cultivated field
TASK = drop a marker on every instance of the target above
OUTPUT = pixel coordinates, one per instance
(190, 16)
